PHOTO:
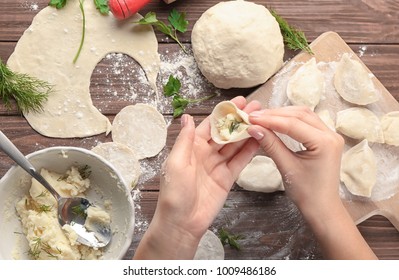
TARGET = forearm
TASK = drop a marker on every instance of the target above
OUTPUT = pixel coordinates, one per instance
(337, 234)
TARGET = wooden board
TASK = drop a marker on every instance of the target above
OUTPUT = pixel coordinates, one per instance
(329, 47)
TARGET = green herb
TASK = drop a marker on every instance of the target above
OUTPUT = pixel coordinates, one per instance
(227, 238)
(294, 39)
(43, 194)
(57, 3)
(177, 22)
(102, 6)
(179, 103)
(84, 171)
(233, 126)
(83, 30)
(35, 249)
(78, 210)
(44, 208)
(29, 92)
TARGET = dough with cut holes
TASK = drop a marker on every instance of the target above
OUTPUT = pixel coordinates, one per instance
(142, 128)
(390, 127)
(123, 158)
(237, 44)
(47, 48)
(353, 82)
(261, 175)
(360, 123)
(209, 248)
(359, 169)
(306, 86)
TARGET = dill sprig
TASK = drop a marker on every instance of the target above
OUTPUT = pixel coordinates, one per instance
(294, 38)
(29, 92)
(227, 238)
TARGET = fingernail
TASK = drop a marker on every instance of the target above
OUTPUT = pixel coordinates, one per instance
(258, 135)
(183, 120)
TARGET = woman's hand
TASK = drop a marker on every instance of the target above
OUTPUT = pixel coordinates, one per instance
(311, 177)
(196, 179)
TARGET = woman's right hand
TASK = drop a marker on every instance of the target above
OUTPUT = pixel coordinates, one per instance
(311, 176)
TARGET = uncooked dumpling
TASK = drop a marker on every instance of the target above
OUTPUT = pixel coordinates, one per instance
(142, 128)
(359, 169)
(123, 158)
(209, 248)
(306, 86)
(325, 116)
(390, 127)
(261, 175)
(228, 123)
(359, 123)
(353, 82)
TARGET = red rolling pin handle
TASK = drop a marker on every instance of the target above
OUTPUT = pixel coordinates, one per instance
(122, 9)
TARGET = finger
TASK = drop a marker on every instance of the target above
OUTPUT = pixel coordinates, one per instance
(273, 147)
(181, 151)
(252, 106)
(229, 150)
(299, 112)
(242, 157)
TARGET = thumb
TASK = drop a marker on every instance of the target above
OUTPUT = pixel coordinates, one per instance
(273, 147)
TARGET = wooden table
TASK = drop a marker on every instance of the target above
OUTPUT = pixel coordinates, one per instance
(270, 225)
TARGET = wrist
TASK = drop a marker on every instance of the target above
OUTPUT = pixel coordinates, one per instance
(166, 241)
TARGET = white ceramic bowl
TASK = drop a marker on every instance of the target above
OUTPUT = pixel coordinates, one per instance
(106, 184)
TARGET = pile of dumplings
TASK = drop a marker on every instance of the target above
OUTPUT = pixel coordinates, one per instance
(354, 84)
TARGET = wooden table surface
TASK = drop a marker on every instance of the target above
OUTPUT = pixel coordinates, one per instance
(270, 225)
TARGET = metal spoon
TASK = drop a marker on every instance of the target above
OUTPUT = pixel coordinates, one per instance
(100, 234)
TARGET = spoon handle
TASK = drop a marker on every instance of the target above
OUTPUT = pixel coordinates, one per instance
(9, 149)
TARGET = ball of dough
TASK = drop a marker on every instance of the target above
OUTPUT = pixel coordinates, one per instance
(237, 44)
(261, 175)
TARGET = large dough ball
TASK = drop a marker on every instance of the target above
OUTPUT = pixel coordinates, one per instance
(237, 44)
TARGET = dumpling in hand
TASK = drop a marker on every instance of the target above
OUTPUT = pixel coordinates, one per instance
(306, 86)
(228, 123)
(353, 82)
(359, 169)
(359, 123)
(390, 127)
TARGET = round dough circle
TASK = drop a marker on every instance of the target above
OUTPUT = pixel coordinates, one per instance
(261, 175)
(237, 44)
(124, 160)
(209, 248)
(142, 128)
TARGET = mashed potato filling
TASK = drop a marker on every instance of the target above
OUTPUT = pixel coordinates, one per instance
(38, 215)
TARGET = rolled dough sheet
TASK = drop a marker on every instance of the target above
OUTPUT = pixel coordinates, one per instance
(47, 48)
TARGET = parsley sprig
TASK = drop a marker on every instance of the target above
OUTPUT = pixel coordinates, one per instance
(179, 103)
(177, 23)
(294, 38)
